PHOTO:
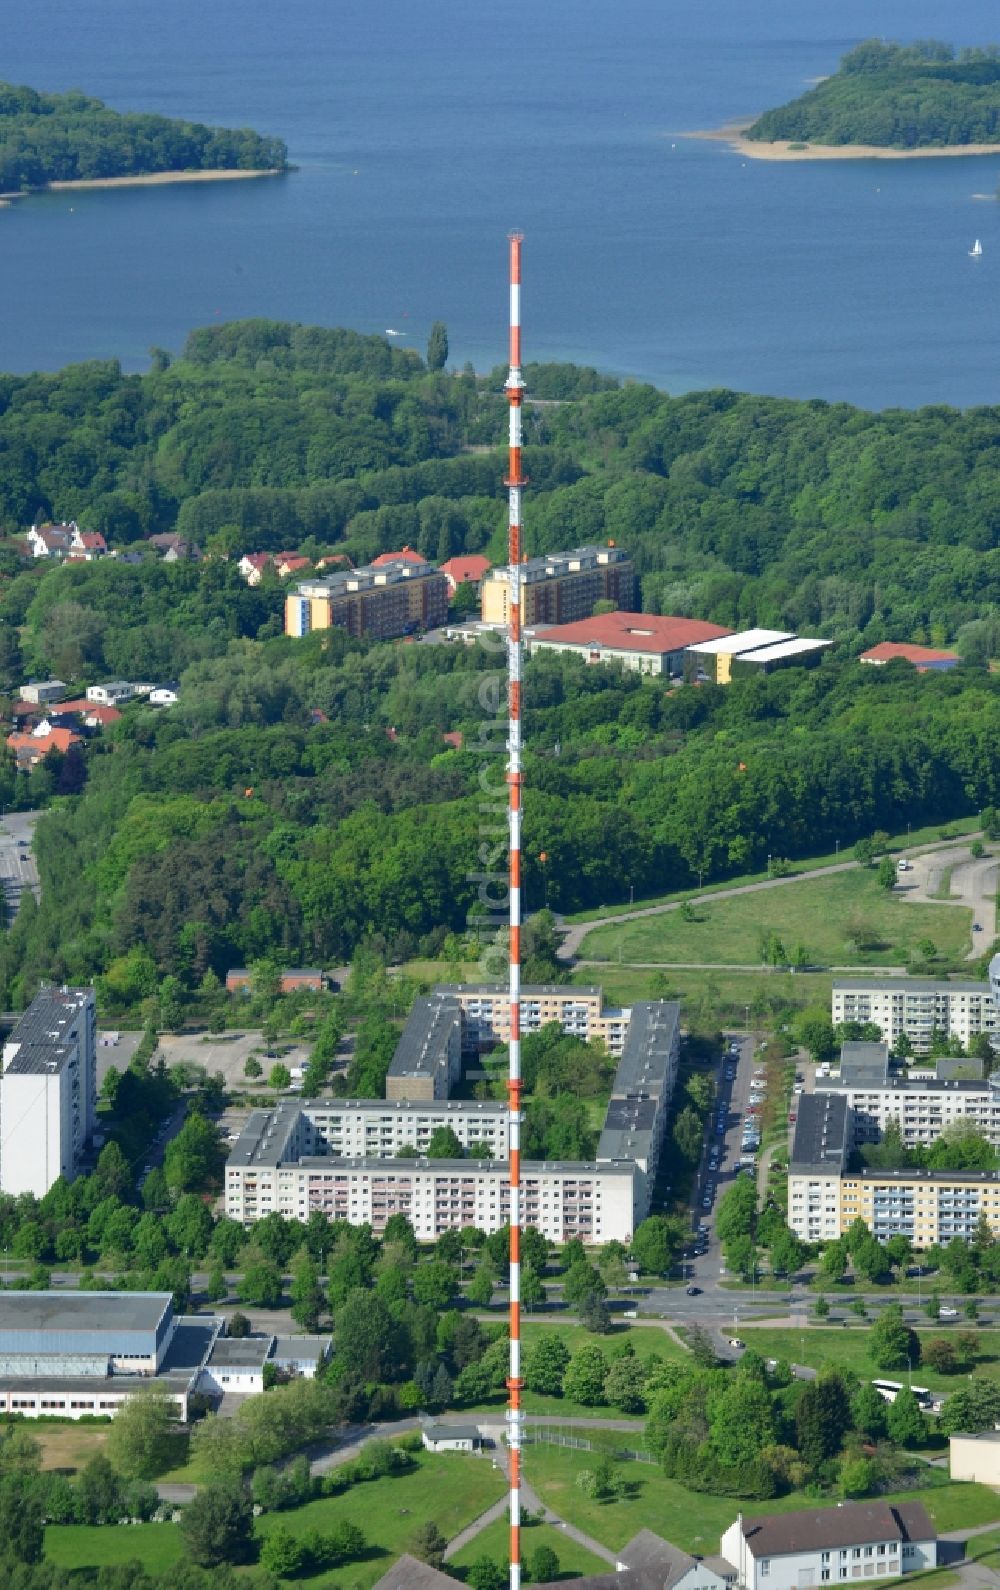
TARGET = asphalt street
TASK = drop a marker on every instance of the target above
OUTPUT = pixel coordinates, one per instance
(17, 864)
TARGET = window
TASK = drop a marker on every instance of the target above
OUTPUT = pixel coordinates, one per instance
(824, 1574)
(825, 1557)
(765, 1567)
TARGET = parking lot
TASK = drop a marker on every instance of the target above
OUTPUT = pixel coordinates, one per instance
(228, 1052)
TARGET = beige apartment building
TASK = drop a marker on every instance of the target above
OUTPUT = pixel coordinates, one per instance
(825, 1196)
(485, 1011)
(382, 601)
(562, 586)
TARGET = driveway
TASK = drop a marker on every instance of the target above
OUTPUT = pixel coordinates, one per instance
(973, 885)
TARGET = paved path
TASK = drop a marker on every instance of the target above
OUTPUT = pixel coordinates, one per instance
(576, 934)
(972, 885)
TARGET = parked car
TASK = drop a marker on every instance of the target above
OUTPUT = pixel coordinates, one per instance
(706, 1202)
(734, 1341)
(946, 1312)
(694, 1291)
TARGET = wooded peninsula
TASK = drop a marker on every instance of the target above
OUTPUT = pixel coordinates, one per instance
(47, 138)
(895, 96)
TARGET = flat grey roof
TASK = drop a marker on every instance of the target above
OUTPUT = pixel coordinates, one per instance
(909, 985)
(331, 1106)
(300, 1349)
(973, 1177)
(267, 1136)
(43, 1032)
(403, 1167)
(900, 1085)
(82, 1311)
(864, 1064)
(628, 1129)
(235, 1352)
(452, 1432)
(647, 1053)
(423, 1044)
(820, 1142)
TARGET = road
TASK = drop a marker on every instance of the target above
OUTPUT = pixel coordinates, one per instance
(577, 932)
(973, 885)
(17, 863)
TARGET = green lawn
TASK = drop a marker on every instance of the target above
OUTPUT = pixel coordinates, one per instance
(157, 1546)
(693, 1521)
(848, 1349)
(898, 843)
(816, 913)
(574, 1560)
(719, 997)
(450, 1489)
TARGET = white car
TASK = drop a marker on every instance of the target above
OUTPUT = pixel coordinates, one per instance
(944, 1312)
(734, 1341)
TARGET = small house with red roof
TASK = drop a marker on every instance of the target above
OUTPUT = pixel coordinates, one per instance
(288, 563)
(29, 749)
(647, 643)
(88, 544)
(924, 658)
(466, 570)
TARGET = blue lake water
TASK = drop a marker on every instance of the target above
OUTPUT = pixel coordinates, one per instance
(424, 129)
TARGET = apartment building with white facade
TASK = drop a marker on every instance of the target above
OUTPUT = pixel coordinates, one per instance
(922, 1107)
(340, 1156)
(918, 1007)
(562, 1199)
(826, 1196)
(828, 1545)
(48, 1090)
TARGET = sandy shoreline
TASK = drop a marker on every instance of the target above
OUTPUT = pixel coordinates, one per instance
(782, 149)
(153, 179)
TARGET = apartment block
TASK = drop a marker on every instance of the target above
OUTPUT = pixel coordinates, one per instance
(342, 1156)
(562, 1199)
(820, 1151)
(579, 1011)
(921, 1107)
(48, 1090)
(918, 1007)
(381, 602)
(428, 1059)
(825, 1196)
(562, 587)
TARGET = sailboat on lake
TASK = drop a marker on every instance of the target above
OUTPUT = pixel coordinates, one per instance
(976, 250)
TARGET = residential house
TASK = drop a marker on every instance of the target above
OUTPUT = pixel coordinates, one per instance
(924, 658)
(41, 692)
(287, 563)
(174, 548)
(88, 544)
(469, 569)
(164, 695)
(826, 1545)
(52, 540)
(112, 693)
(30, 749)
(239, 980)
(252, 566)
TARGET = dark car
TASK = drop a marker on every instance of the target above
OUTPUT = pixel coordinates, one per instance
(694, 1291)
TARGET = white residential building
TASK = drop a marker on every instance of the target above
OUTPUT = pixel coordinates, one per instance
(922, 1108)
(594, 1202)
(48, 1090)
(828, 1545)
(918, 1007)
(111, 694)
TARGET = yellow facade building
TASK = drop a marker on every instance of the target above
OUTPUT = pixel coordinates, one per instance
(561, 587)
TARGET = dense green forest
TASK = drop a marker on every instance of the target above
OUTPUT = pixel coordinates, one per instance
(71, 137)
(913, 96)
(157, 863)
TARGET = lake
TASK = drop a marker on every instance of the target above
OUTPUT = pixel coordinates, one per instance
(423, 132)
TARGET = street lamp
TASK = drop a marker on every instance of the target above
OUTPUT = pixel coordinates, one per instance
(769, 863)
(837, 849)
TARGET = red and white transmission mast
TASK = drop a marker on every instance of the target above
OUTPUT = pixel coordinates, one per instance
(515, 483)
